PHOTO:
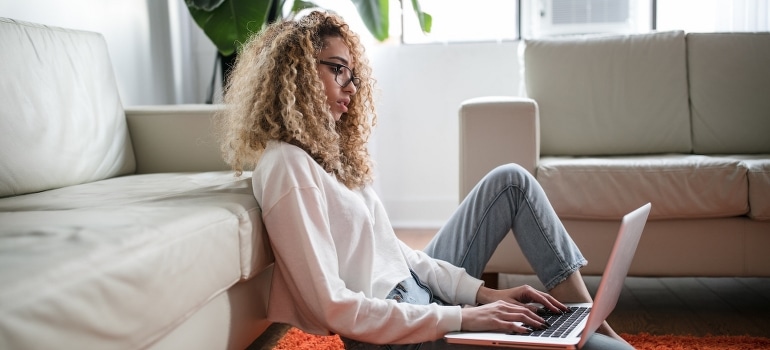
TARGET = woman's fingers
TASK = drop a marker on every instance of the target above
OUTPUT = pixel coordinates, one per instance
(501, 316)
(529, 295)
(512, 313)
(534, 308)
(552, 304)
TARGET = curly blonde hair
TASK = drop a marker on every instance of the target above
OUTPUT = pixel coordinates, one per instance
(275, 93)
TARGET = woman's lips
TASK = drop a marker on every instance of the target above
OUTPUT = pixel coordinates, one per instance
(343, 106)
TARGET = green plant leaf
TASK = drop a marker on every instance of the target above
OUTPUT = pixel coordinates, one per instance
(206, 5)
(374, 14)
(231, 23)
(426, 20)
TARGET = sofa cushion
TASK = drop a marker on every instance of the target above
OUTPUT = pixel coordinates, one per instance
(132, 257)
(120, 272)
(610, 95)
(679, 186)
(212, 189)
(758, 166)
(61, 118)
(729, 88)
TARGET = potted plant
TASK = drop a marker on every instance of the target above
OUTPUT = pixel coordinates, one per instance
(228, 23)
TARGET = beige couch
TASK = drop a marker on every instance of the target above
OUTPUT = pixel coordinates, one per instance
(119, 229)
(612, 122)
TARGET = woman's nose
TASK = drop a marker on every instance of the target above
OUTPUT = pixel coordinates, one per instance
(351, 88)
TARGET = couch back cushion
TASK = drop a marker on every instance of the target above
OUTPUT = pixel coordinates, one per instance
(730, 92)
(61, 121)
(610, 95)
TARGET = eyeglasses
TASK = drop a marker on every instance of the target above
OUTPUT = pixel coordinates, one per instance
(343, 75)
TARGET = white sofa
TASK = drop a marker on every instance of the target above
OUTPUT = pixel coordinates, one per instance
(118, 229)
(608, 123)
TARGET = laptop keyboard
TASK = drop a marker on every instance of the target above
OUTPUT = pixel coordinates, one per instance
(561, 324)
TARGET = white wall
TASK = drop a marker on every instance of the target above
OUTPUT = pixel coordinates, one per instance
(417, 139)
(415, 144)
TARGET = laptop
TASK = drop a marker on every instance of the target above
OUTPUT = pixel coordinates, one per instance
(572, 330)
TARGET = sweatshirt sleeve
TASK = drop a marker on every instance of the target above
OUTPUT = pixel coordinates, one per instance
(450, 283)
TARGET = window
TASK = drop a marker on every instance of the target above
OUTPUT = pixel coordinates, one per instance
(713, 15)
(545, 18)
(502, 20)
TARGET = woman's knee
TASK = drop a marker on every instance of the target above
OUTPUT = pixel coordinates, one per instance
(509, 172)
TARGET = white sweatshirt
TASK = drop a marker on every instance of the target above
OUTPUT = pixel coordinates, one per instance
(337, 258)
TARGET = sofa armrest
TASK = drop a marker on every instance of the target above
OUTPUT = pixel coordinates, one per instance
(174, 138)
(495, 131)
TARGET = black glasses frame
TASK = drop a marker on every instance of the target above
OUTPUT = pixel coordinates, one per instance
(338, 70)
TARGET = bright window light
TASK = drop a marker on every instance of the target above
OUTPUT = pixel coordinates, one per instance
(714, 15)
(462, 21)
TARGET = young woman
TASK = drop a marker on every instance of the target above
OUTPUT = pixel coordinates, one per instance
(300, 109)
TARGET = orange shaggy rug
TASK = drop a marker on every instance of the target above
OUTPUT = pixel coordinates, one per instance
(298, 340)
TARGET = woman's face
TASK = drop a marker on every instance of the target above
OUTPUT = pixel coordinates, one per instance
(335, 67)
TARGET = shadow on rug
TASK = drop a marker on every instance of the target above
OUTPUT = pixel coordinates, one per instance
(294, 339)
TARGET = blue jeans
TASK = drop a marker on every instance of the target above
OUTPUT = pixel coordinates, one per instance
(508, 198)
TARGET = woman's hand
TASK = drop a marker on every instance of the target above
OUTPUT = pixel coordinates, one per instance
(500, 310)
(501, 316)
(522, 296)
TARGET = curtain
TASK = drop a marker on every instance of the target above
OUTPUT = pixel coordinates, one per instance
(743, 16)
(190, 54)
